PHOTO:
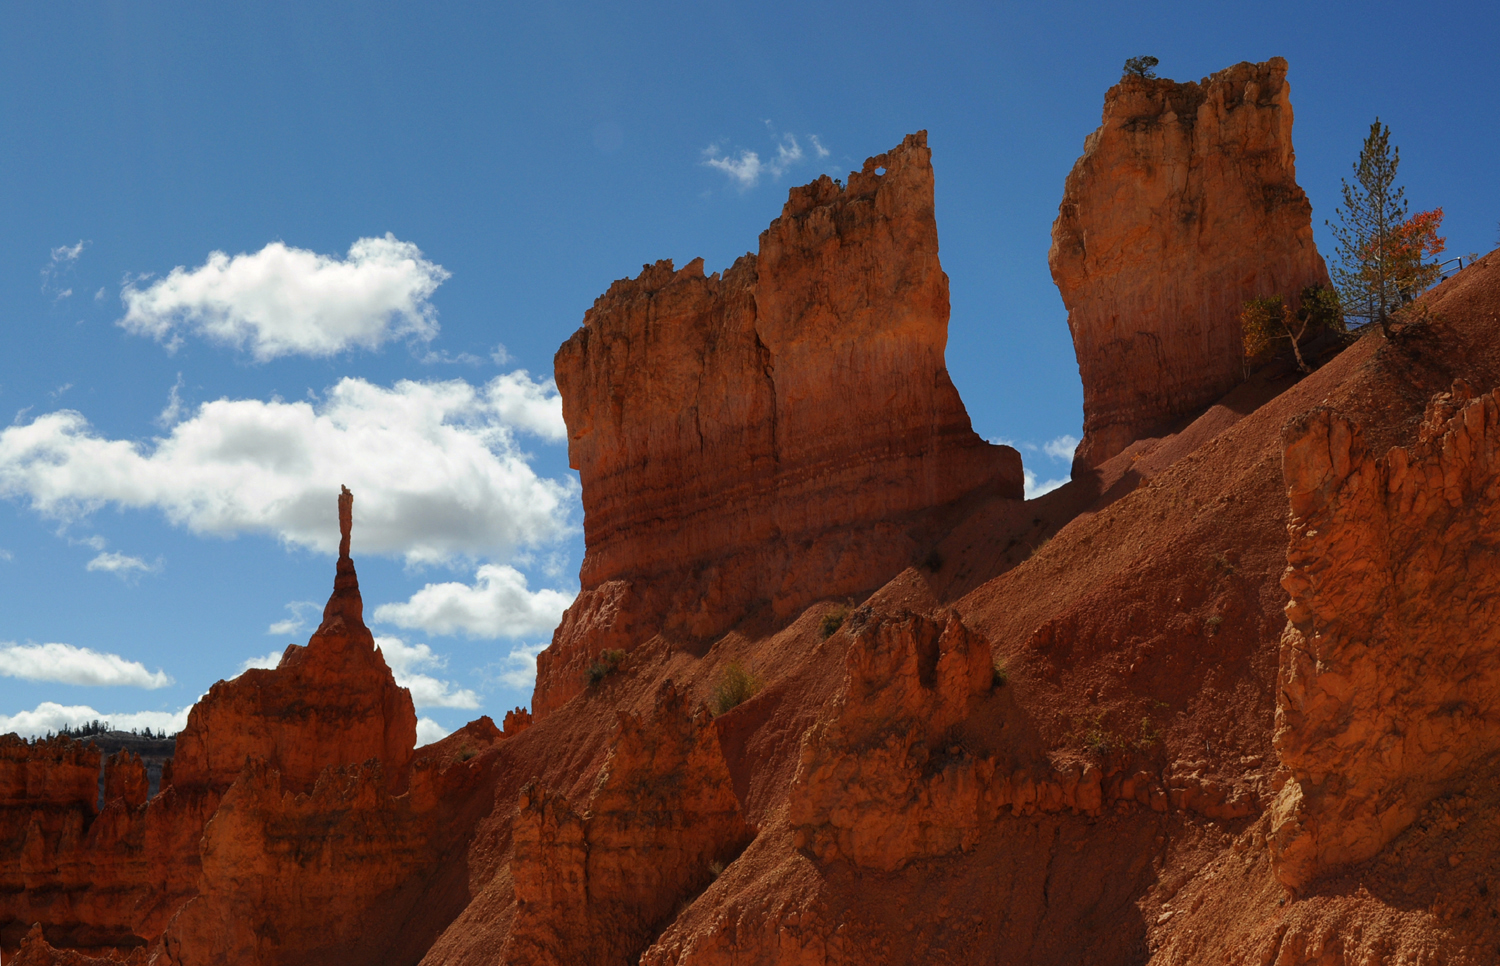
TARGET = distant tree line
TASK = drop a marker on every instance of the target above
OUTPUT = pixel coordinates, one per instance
(97, 727)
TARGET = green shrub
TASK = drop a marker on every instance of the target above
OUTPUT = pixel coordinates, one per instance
(999, 676)
(734, 687)
(833, 620)
(607, 664)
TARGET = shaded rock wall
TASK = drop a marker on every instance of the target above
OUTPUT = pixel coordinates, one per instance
(595, 884)
(764, 438)
(1184, 204)
(1390, 662)
(331, 876)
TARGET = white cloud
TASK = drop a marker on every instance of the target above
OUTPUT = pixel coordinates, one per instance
(446, 358)
(1035, 489)
(270, 660)
(50, 716)
(747, 167)
(434, 466)
(290, 301)
(64, 257)
(429, 731)
(532, 406)
(122, 565)
(500, 355)
(818, 146)
(66, 664)
(520, 666)
(6, 554)
(297, 621)
(168, 417)
(1061, 448)
(99, 295)
(426, 691)
(66, 254)
(497, 604)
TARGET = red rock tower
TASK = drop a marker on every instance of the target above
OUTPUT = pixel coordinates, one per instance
(752, 442)
(333, 701)
(1184, 204)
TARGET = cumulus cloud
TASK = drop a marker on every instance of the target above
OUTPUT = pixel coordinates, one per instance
(405, 660)
(284, 301)
(1035, 489)
(122, 565)
(435, 468)
(519, 667)
(429, 731)
(1061, 448)
(498, 604)
(264, 661)
(66, 664)
(50, 716)
(527, 404)
(291, 625)
(747, 167)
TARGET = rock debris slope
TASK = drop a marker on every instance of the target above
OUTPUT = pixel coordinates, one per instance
(1229, 697)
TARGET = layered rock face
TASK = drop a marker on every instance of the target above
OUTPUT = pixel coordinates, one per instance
(593, 885)
(770, 436)
(1390, 662)
(1184, 204)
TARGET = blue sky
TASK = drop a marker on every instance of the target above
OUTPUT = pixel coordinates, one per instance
(416, 203)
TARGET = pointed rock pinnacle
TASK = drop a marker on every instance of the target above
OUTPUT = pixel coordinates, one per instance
(345, 602)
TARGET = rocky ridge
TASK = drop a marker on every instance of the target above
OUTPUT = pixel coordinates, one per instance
(1221, 699)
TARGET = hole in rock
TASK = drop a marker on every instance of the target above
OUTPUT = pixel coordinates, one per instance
(880, 171)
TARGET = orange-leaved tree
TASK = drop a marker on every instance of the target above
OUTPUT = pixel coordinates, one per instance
(1412, 243)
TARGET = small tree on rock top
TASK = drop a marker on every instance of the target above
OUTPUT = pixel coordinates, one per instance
(1140, 67)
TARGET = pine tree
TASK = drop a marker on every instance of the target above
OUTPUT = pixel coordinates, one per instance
(1382, 253)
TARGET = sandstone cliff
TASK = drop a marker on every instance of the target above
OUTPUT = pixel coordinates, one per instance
(770, 436)
(1390, 663)
(1184, 204)
(595, 884)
